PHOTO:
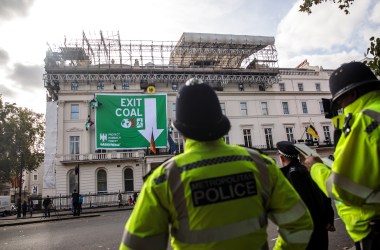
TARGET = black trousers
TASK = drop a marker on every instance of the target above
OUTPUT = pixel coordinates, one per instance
(372, 241)
(76, 208)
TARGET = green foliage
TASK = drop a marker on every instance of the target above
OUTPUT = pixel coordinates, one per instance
(342, 4)
(373, 50)
(21, 140)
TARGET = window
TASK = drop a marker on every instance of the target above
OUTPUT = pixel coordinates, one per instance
(318, 87)
(73, 181)
(326, 132)
(101, 179)
(125, 85)
(227, 139)
(74, 146)
(174, 86)
(268, 137)
(285, 108)
(243, 108)
(289, 134)
(304, 107)
(179, 141)
(74, 112)
(174, 109)
(100, 86)
(264, 108)
(282, 86)
(321, 108)
(309, 137)
(35, 177)
(261, 87)
(74, 86)
(300, 86)
(247, 137)
(223, 107)
(128, 180)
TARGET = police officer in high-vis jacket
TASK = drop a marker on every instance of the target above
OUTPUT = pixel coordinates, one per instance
(214, 195)
(354, 178)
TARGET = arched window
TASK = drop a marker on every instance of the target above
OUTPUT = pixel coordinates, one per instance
(128, 179)
(101, 178)
(72, 180)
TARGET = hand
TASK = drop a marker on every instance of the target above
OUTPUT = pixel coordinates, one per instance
(330, 227)
(310, 161)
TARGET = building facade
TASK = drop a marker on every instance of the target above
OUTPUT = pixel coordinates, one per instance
(264, 103)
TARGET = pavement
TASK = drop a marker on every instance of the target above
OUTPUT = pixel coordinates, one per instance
(38, 216)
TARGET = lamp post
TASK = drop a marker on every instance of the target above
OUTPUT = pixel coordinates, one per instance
(77, 173)
(20, 185)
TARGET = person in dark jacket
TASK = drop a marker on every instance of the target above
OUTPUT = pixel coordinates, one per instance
(316, 201)
(47, 206)
(24, 208)
(75, 197)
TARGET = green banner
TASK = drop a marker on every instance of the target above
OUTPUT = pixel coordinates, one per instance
(130, 121)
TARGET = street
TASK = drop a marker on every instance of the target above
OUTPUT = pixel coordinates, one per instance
(104, 232)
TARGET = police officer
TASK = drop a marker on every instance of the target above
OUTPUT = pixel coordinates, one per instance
(354, 179)
(214, 195)
(316, 201)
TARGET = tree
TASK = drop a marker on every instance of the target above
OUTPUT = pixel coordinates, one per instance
(373, 51)
(22, 134)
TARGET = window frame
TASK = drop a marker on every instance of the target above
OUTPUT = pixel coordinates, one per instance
(304, 107)
(129, 180)
(223, 108)
(74, 86)
(100, 85)
(74, 114)
(247, 137)
(264, 108)
(300, 86)
(125, 85)
(289, 133)
(318, 87)
(243, 108)
(285, 108)
(101, 182)
(268, 133)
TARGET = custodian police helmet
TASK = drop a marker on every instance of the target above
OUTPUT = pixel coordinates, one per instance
(349, 76)
(199, 115)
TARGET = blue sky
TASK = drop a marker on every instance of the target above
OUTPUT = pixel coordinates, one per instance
(325, 38)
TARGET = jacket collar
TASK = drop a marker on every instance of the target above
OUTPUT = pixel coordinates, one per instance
(362, 102)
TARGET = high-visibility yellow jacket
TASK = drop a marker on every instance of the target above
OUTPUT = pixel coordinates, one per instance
(354, 179)
(217, 196)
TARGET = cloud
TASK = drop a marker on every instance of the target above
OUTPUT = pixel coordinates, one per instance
(6, 91)
(4, 57)
(375, 15)
(327, 33)
(27, 78)
(14, 8)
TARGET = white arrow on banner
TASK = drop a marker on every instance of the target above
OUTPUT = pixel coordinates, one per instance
(150, 114)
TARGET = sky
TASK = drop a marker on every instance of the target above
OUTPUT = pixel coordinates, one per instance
(326, 38)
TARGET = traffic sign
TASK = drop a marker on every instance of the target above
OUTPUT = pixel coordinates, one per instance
(128, 121)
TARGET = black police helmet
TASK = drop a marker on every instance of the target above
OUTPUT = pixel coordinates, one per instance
(287, 149)
(198, 114)
(349, 76)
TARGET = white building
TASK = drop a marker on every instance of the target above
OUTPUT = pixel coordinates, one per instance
(265, 104)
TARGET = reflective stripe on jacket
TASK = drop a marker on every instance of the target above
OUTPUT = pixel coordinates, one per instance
(354, 179)
(216, 196)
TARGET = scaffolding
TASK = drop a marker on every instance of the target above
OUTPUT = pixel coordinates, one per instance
(211, 57)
